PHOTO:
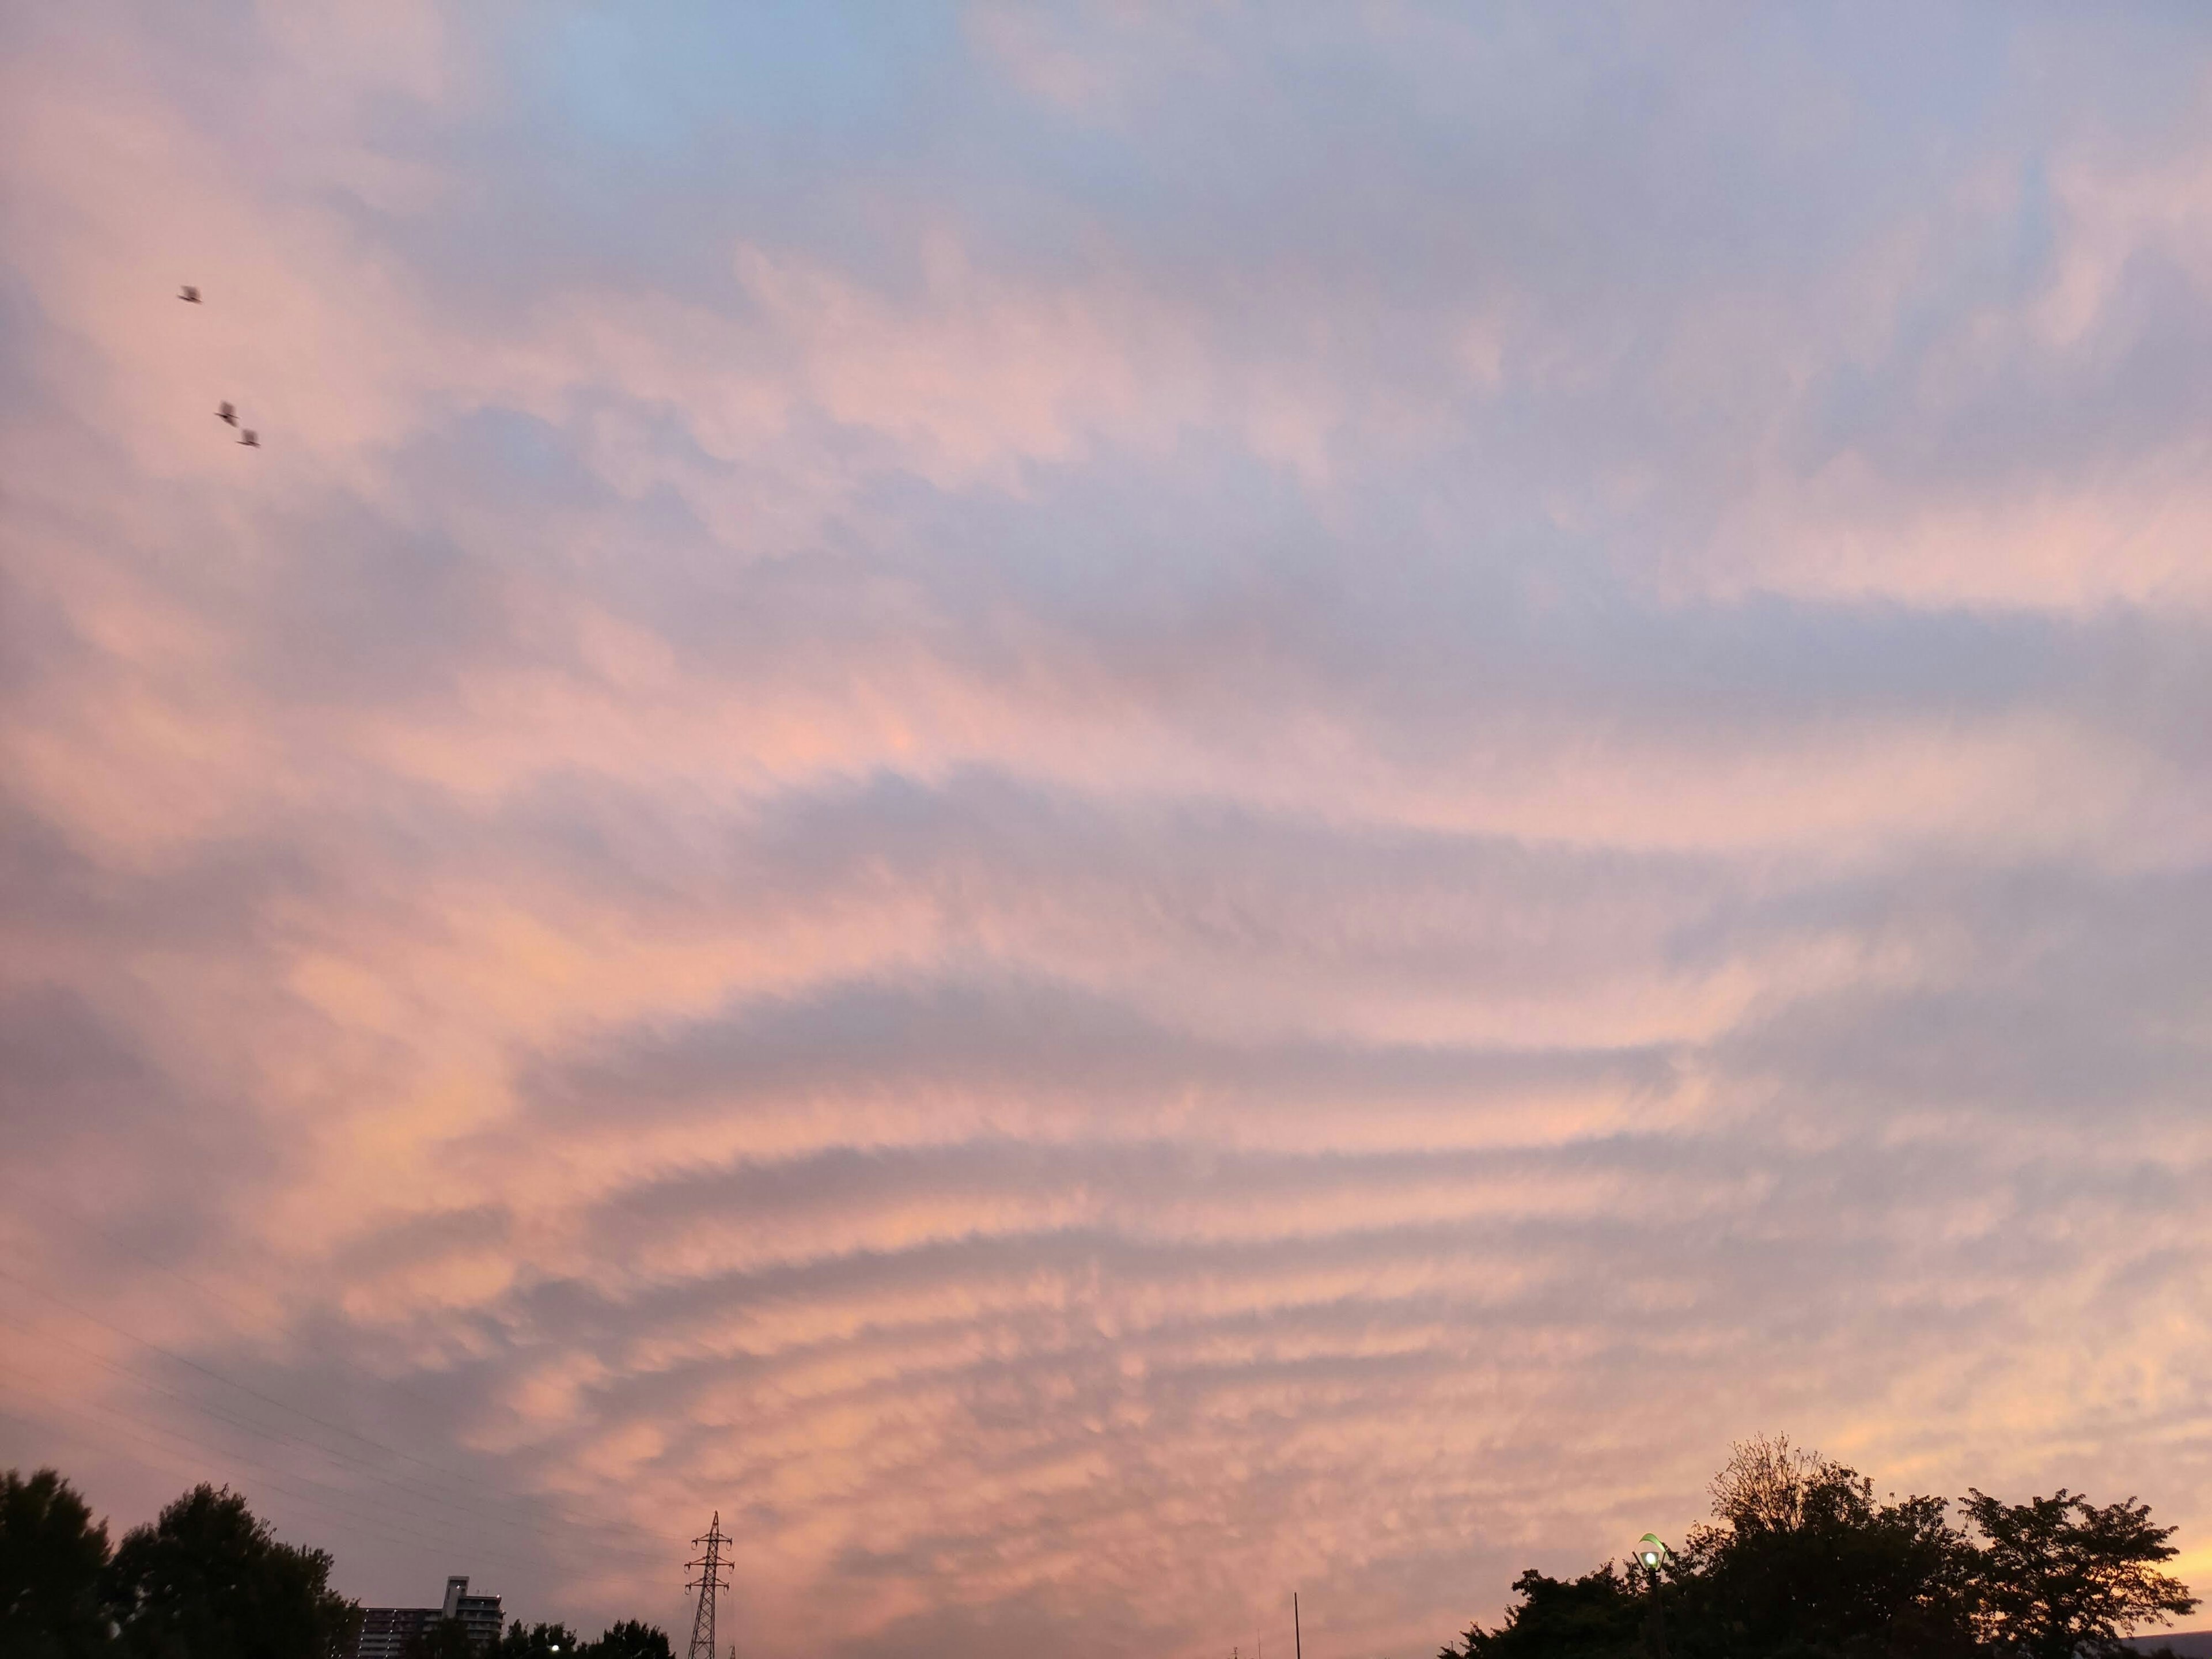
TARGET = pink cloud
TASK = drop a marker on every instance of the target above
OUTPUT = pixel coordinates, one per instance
(1096, 858)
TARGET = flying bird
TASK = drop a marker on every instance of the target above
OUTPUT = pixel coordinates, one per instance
(250, 438)
(189, 294)
(226, 414)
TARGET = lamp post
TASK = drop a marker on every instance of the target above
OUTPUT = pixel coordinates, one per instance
(1652, 1555)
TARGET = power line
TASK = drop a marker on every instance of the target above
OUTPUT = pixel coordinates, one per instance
(153, 1435)
(443, 1500)
(269, 1431)
(99, 1440)
(115, 1239)
(335, 1428)
(211, 1291)
(423, 1528)
(414, 1496)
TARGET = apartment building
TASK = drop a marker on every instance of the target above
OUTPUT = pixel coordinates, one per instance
(385, 1631)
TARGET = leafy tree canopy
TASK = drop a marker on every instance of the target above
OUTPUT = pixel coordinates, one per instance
(1802, 1560)
(52, 1558)
(1596, 1616)
(538, 1641)
(2061, 1577)
(208, 1580)
(442, 1639)
(632, 1640)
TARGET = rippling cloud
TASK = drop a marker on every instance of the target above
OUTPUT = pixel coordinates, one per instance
(1105, 807)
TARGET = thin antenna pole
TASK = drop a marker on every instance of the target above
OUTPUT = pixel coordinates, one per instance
(1297, 1635)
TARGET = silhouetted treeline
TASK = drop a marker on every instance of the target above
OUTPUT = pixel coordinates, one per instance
(1801, 1561)
(448, 1638)
(205, 1580)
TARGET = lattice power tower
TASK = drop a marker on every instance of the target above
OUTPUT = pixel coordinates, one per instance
(711, 1568)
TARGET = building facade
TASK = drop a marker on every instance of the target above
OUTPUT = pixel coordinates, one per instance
(385, 1631)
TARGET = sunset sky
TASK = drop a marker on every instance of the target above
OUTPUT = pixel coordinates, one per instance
(1109, 808)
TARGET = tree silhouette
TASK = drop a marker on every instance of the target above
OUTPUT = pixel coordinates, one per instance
(1802, 1561)
(2061, 1577)
(208, 1581)
(52, 1558)
(1596, 1616)
(539, 1642)
(632, 1640)
(442, 1639)
(1801, 1556)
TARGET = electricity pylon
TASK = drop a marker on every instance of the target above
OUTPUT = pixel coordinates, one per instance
(711, 1568)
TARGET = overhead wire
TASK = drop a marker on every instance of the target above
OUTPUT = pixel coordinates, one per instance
(267, 1431)
(421, 1527)
(153, 1435)
(181, 1359)
(112, 1238)
(412, 1487)
(412, 1518)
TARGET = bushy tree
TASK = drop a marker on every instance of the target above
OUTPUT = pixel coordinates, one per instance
(208, 1580)
(2061, 1578)
(442, 1639)
(1801, 1558)
(53, 1560)
(1596, 1616)
(538, 1641)
(632, 1640)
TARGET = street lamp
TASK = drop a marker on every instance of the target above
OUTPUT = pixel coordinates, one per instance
(1650, 1555)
